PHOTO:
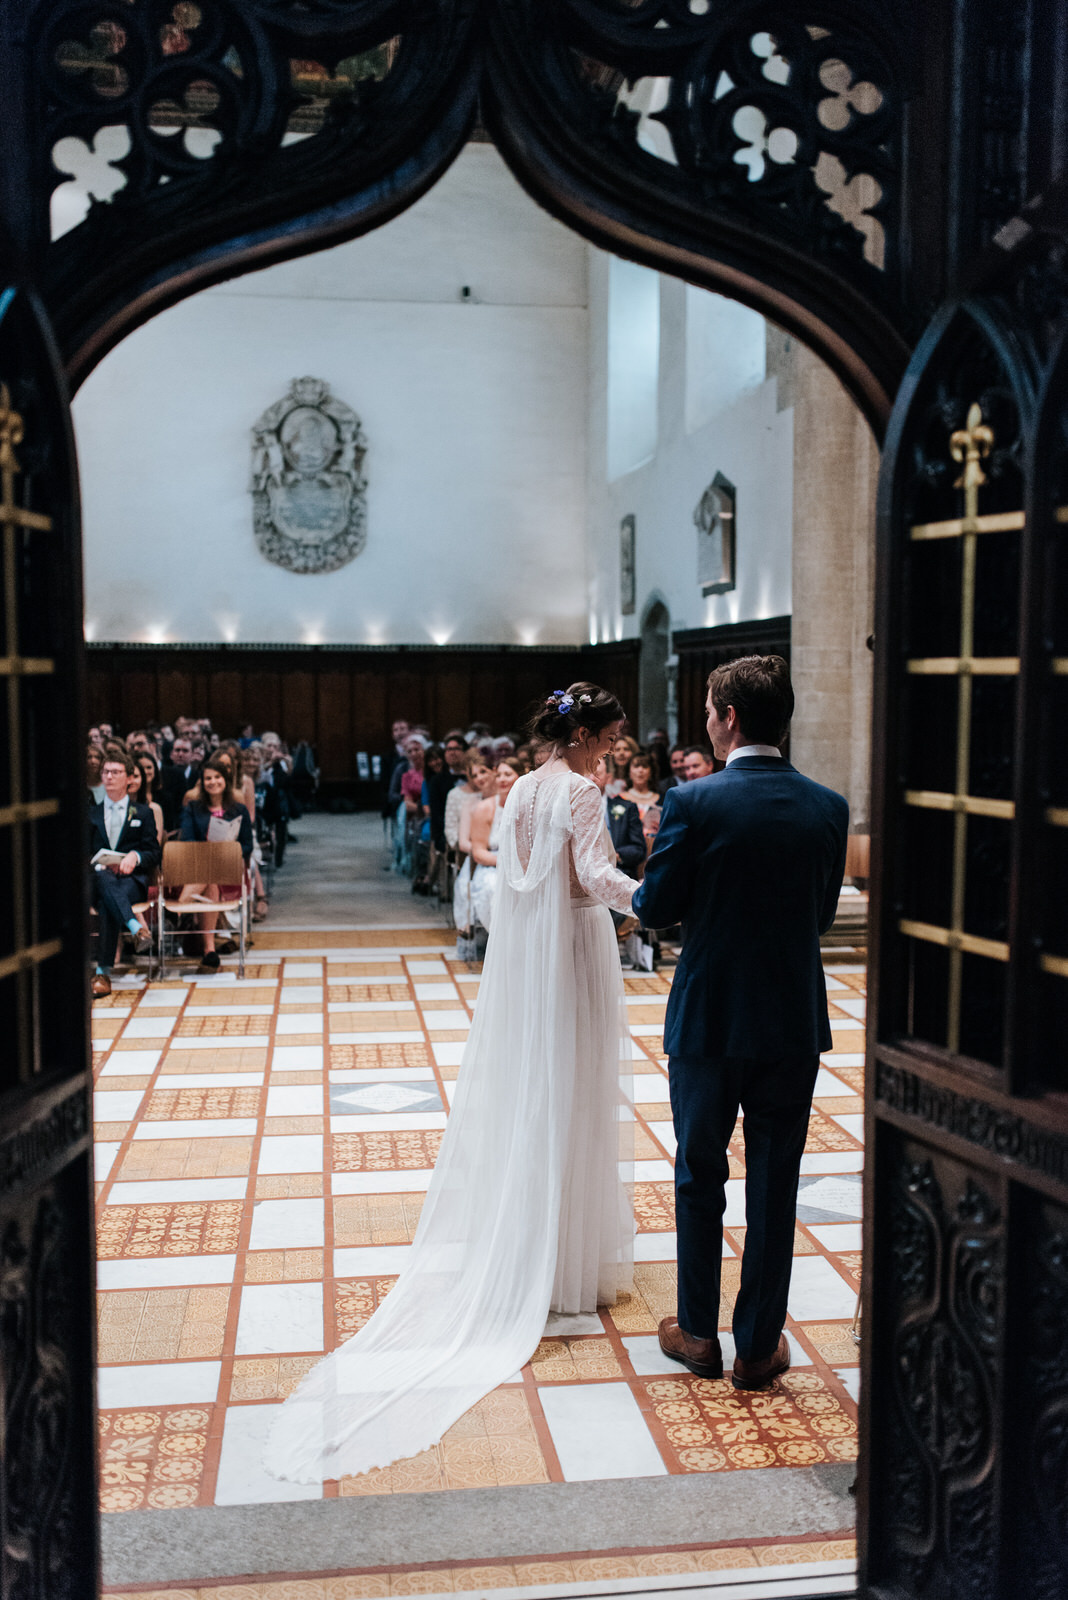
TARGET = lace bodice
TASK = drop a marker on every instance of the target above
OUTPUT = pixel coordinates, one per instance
(591, 871)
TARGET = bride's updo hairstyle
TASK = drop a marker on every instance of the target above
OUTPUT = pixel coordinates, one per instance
(584, 705)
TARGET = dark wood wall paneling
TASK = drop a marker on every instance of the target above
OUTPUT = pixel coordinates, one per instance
(699, 650)
(341, 699)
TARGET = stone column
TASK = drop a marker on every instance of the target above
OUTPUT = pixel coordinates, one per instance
(836, 464)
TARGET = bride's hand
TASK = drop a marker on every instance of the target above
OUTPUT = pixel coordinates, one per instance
(626, 927)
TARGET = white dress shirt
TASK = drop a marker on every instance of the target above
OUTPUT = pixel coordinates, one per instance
(754, 750)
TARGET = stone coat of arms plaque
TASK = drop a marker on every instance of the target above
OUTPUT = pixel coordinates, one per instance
(309, 494)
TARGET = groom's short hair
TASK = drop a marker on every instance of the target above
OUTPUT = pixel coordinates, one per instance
(759, 689)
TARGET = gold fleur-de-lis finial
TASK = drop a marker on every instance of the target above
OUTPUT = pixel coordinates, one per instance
(970, 445)
(10, 431)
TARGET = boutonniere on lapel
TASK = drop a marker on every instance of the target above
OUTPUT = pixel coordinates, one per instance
(617, 811)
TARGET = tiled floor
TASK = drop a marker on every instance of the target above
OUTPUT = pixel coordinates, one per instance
(263, 1150)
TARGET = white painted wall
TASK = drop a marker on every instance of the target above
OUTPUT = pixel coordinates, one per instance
(717, 412)
(475, 415)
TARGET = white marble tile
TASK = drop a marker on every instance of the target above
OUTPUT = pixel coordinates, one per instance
(287, 1224)
(371, 1261)
(598, 1432)
(655, 1246)
(827, 1084)
(647, 1030)
(279, 1317)
(162, 1272)
(647, 999)
(99, 1043)
(381, 1074)
(229, 1011)
(647, 1358)
(834, 1161)
(299, 1022)
(850, 1377)
(734, 1215)
(665, 1132)
(636, 1053)
(151, 1027)
(209, 1080)
(131, 1063)
(297, 1058)
(436, 991)
(301, 994)
(837, 1236)
(167, 1191)
(104, 1154)
(446, 1019)
(164, 1383)
(162, 999)
(388, 1122)
(370, 1005)
(116, 1105)
(242, 1478)
(417, 968)
(208, 1128)
(818, 1293)
(291, 1152)
(236, 1041)
(853, 1123)
(401, 1036)
(449, 1054)
(646, 1171)
(854, 1007)
(646, 1087)
(834, 983)
(302, 969)
(836, 1194)
(843, 1024)
(295, 1100)
(411, 1181)
(844, 1058)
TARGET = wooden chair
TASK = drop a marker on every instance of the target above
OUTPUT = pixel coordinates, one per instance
(221, 864)
(850, 927)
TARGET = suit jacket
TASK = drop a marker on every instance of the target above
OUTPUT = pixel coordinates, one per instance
(174, 782)
(750, 861)
(138, 833)
(195, 820)
(625, 826)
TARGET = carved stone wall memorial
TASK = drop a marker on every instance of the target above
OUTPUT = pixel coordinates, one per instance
(714, 519)
(309, 493)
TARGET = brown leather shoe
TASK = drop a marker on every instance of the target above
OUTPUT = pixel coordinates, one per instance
(100, 986)
(758, 1374)
(703, 1356)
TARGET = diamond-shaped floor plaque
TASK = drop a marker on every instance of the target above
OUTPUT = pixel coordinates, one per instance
(384, 1097)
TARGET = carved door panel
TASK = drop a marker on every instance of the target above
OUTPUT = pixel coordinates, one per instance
(965, 1411)
(48, 1521)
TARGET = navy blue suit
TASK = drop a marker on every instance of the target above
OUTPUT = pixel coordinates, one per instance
(750, 861)
(625, 827)
(112, 895)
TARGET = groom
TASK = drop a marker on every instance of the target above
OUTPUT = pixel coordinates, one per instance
(750, 861)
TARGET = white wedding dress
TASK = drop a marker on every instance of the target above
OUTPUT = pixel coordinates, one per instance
(526, 1210)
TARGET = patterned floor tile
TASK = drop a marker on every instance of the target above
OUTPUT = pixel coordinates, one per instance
(712, 1427)
(242, 1059)
(183, 1105)
(365, 1219)
(363, 1057)
(220, 1027)
(268, 1377)
(654, 1207)
(152, 1458)
(574, 1360)
(156, 1159)
(284, 1266)
(354, 1301)
(826, 1134)
(492, 1445)
(289, 1186)
(339, 992)
(161, 1324)
(369, 1152)
(192, 1229)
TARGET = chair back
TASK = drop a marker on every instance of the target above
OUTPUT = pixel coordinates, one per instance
(220, 862)
(858, 855)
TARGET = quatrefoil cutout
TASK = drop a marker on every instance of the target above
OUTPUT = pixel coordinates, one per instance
(108, 77)
(763, 143)
(846, 97)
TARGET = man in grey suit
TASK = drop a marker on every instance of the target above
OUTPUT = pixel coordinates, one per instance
(750, 861)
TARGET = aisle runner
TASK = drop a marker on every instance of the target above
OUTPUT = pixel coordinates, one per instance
(263, 1147)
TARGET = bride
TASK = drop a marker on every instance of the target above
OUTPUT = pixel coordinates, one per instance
(525, 1213)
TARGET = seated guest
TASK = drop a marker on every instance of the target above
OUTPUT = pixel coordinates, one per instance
(485, 831)
(251, 761)
(455, 750)
(213, 800)
(624, 826)
(119, 823)
(677, 764)
(482, 781)
(622, 751)
(641, 788)
(179, 775)
(142, 788)
(94, 760)
(698, 763)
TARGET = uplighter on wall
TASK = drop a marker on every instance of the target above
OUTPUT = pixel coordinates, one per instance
(716, 521)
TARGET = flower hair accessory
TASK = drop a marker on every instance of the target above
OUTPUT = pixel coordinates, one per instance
(565, 702)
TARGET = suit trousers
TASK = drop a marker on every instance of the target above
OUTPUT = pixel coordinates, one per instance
(775, 1098)
(114, 898)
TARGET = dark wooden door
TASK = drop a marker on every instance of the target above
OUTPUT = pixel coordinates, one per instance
(964, 1482)
(48, 1517)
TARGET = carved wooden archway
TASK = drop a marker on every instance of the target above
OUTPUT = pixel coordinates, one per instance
(840, 167)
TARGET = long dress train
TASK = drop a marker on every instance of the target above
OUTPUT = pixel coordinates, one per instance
(525, 1211)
